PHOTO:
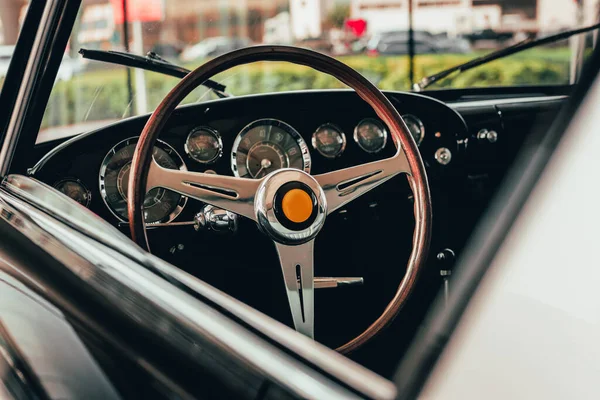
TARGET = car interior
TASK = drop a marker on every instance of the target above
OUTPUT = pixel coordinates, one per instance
(480, 134)
(467, 140)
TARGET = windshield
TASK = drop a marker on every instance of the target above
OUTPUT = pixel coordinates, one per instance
(369, 35)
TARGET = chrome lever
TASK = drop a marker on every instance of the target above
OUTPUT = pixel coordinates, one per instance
(327, 283)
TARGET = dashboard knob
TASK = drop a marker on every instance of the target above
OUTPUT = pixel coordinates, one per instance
(490, 136)
(215, 219)
(443, 156)
(446, 260)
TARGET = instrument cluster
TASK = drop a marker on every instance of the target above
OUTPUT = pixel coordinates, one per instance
(261, 147)
(267, 144)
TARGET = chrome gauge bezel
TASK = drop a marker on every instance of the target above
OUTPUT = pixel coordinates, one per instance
(211, 131)
(334, 127)
(418, 122)
(78, 181)
(375, 122)
(124, 143)
(306, 160)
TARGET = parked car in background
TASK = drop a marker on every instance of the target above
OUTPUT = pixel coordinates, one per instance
(396, 43)
(455, 45)
(214, 46)
(489, 38)
(68, 67)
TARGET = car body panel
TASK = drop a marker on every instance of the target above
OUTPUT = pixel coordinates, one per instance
(48, 345)
(109, 270)
(531, 330)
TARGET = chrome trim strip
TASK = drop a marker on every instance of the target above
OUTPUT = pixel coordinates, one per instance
(60, 207)
(497, 102)
(132, 288)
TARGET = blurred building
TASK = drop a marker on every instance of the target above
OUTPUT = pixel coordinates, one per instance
(464, 16)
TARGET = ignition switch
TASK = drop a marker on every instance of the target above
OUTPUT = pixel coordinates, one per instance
(212, 218)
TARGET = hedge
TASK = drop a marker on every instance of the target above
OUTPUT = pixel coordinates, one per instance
(102, 94)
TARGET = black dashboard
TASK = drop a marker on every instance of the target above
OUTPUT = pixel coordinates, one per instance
(467, 147)
(315, 121)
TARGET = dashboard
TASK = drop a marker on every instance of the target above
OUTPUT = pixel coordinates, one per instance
(466, 145)
(245, 137)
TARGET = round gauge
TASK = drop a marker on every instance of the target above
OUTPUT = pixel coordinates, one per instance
(370, 135)
(204, 145)
(329, 140)
(75, 190)
(415, 126)
(160, 205)
(267, 145)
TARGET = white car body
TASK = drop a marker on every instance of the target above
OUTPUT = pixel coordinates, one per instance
(531, 330)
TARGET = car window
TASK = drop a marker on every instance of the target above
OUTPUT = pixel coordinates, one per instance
(12, 13)
(368, 35)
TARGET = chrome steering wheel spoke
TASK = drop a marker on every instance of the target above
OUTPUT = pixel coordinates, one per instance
(230, 193)
(298, 275)
(344, 185)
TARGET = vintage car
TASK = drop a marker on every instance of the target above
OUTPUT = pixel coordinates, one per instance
(322, 244)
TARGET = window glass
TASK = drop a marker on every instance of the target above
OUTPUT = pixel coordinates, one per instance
(12, 13)
(369, 35)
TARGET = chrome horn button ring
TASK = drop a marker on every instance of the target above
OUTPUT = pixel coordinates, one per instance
(268, 206)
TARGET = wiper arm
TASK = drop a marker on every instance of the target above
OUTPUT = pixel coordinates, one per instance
(507, 51)
(150, 62)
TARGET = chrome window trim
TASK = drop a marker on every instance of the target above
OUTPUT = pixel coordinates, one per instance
(119, 259)
(509, 100)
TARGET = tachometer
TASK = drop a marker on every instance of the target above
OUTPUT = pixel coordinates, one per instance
(160, 205)
(267, 145)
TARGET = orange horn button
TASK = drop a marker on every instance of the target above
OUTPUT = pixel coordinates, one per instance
(297, 205)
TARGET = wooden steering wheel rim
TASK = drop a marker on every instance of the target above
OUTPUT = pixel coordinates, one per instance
(401, 136)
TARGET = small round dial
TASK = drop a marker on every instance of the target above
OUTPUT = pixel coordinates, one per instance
(329, 140)
(160, 205)
(75, 190)
(204, 145)
(370, 135)
(415, 126)
(267, 145)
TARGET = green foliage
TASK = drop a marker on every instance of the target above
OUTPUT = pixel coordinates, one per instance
(338, 15)
(102, 95)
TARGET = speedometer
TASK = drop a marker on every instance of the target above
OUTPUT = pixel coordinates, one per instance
(267, 145)
(160, 205)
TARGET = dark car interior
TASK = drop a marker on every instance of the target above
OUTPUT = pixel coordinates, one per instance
(469, 138)
(87, 312)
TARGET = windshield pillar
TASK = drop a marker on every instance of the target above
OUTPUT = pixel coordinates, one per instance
(32, 73)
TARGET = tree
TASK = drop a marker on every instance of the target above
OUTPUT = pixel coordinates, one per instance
(339, 15)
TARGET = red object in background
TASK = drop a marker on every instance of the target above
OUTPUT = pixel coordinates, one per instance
(139, 10)
(357, 26)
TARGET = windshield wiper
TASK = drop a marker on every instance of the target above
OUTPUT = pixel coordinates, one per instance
(507, 51)
(151, 62)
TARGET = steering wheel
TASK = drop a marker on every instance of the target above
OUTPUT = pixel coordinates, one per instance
(289, 205)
